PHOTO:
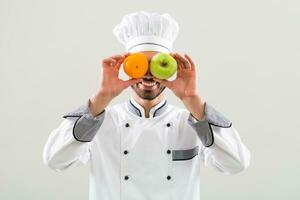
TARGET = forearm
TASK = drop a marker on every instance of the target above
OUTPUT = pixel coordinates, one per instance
(98, 102)
(62, 151)
(222, 145)
(228, 154)
(195, 105)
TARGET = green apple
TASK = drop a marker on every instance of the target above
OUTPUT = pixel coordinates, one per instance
(163, 65)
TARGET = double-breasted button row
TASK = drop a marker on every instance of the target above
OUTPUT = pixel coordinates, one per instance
(126, 151)
(127, 177)
(168, 152)
(127, 124)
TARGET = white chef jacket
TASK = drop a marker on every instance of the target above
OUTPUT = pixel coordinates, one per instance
(131, 157)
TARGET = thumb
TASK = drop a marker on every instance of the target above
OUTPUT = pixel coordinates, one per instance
(163, 82)
(131, 81)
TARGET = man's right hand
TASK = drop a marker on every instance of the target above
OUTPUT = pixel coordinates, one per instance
(111, 85)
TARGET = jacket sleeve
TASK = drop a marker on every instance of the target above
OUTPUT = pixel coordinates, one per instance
(222, 146)
(69, 144)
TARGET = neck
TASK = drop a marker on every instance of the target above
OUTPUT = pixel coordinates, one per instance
(148, 104)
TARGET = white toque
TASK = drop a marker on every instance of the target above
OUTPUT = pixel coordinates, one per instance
(144, 31)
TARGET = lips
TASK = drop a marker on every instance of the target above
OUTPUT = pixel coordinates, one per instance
(148, 83)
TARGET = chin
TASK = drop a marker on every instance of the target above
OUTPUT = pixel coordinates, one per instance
(149, 98)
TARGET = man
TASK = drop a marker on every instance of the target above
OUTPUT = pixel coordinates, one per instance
(145, 148)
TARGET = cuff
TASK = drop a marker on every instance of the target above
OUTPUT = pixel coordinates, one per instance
(86, 126)
(203, 127)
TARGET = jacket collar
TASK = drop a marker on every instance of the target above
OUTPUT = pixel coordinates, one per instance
(155, 111)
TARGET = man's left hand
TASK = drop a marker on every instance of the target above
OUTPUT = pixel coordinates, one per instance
(184, 85)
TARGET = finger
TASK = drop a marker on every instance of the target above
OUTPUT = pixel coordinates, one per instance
(182, 67)
(191, 61)
(108, 62)
(119, 63)
(130, 82)
(179, 70)
(163, 82)
(185, 62)
(117, 57)
(126, 54)
(179, 64)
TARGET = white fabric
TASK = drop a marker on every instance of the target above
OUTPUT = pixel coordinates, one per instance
(145, 31)
(147, 164)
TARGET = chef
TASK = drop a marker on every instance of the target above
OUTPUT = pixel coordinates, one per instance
(145, 148)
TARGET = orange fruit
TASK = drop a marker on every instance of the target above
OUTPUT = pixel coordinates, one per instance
(136, 65)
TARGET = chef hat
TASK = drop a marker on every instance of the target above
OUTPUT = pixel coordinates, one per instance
(144, 31)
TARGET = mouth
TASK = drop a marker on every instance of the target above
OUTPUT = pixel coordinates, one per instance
(148, 83)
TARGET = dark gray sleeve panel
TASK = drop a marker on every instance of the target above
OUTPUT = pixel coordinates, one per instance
(203, 127)
(85, 126)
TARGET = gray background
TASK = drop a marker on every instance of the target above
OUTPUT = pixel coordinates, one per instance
(247, 55)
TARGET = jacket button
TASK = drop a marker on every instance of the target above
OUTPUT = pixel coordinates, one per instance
(168, 177)
(168, 151)
(125, 152)
(127, 124)
(168, 124)
(126, 177)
